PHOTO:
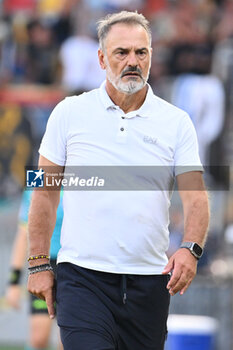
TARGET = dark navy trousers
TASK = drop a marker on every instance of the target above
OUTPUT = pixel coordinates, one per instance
(106, 311)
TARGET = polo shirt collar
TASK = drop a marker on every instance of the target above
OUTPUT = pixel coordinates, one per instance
(106, 100)
(144, 111)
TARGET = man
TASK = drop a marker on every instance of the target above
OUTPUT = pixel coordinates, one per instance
(113, 278)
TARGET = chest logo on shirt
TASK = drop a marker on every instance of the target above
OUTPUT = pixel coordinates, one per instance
(149, 139)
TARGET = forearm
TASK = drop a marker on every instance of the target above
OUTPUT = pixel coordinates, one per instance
(182, 264)
(196, 218)
(42, 219)
(20, 248)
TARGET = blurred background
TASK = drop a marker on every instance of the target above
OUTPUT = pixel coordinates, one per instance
(48, 50)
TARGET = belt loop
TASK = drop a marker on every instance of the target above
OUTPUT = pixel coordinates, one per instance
(124, 288)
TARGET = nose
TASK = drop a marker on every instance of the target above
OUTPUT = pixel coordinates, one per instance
(132, 59)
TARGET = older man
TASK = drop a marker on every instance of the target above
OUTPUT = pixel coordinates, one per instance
(113, 283)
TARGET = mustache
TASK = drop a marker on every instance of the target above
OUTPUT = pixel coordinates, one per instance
(132, 70)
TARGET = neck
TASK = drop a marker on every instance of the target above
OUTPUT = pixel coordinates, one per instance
(126, 102)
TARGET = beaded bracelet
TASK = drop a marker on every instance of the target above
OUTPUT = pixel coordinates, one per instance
(40, 256)
(39, 268)
(14, 276)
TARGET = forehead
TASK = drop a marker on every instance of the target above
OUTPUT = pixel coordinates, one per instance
(127, 35)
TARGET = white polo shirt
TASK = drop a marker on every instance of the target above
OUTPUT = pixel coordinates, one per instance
(118, 231)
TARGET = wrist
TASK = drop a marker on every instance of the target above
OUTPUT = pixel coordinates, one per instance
(195, 249)
(14, 278)
(40, 268)
(33, 263)
(38, 259)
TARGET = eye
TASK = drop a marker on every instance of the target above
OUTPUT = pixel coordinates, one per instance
(141, 53)
(121, 53)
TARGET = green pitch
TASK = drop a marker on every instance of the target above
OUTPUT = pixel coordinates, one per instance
(5, 347)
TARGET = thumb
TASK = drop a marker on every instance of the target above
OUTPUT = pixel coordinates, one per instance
(50, 304)
(169, 267)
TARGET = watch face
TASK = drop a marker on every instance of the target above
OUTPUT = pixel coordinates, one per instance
(197, 249)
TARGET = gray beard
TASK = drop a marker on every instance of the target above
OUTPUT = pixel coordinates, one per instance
(128, 88)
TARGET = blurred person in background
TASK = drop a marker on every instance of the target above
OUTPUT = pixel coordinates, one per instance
(12, 50)
(40, 324)
(41, 63)
(224, 27)
(113, 280)
(186, 24)
(181, 69)
(58, 15)
(29, 54)
(79, 67)
(222, 67)
(201, 95)
(6, 54)
(175, 27)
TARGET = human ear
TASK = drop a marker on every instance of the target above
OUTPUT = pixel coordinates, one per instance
(101, 59)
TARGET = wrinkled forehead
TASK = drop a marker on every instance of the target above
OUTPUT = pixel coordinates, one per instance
(127, 35)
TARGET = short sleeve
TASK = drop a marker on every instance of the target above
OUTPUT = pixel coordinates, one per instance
(53, 144)
(186, 153)
(24, 207)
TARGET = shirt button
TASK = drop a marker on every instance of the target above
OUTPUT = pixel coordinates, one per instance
(122, 129)
(122, 117)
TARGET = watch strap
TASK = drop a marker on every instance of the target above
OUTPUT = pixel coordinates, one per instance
(193, 247)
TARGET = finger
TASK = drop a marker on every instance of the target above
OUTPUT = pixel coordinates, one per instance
(40, 296)
(36, 294)
(183, 290)
(174, 279)
(169, 267)
(180, 284)
(184, 281)
(50, 304)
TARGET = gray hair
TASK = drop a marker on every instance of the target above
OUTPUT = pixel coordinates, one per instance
(126, 17)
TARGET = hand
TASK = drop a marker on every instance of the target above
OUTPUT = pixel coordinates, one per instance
(13, 295)
(183, 266)
(42, 285)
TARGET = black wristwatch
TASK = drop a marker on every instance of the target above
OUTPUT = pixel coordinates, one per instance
(194, 248)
